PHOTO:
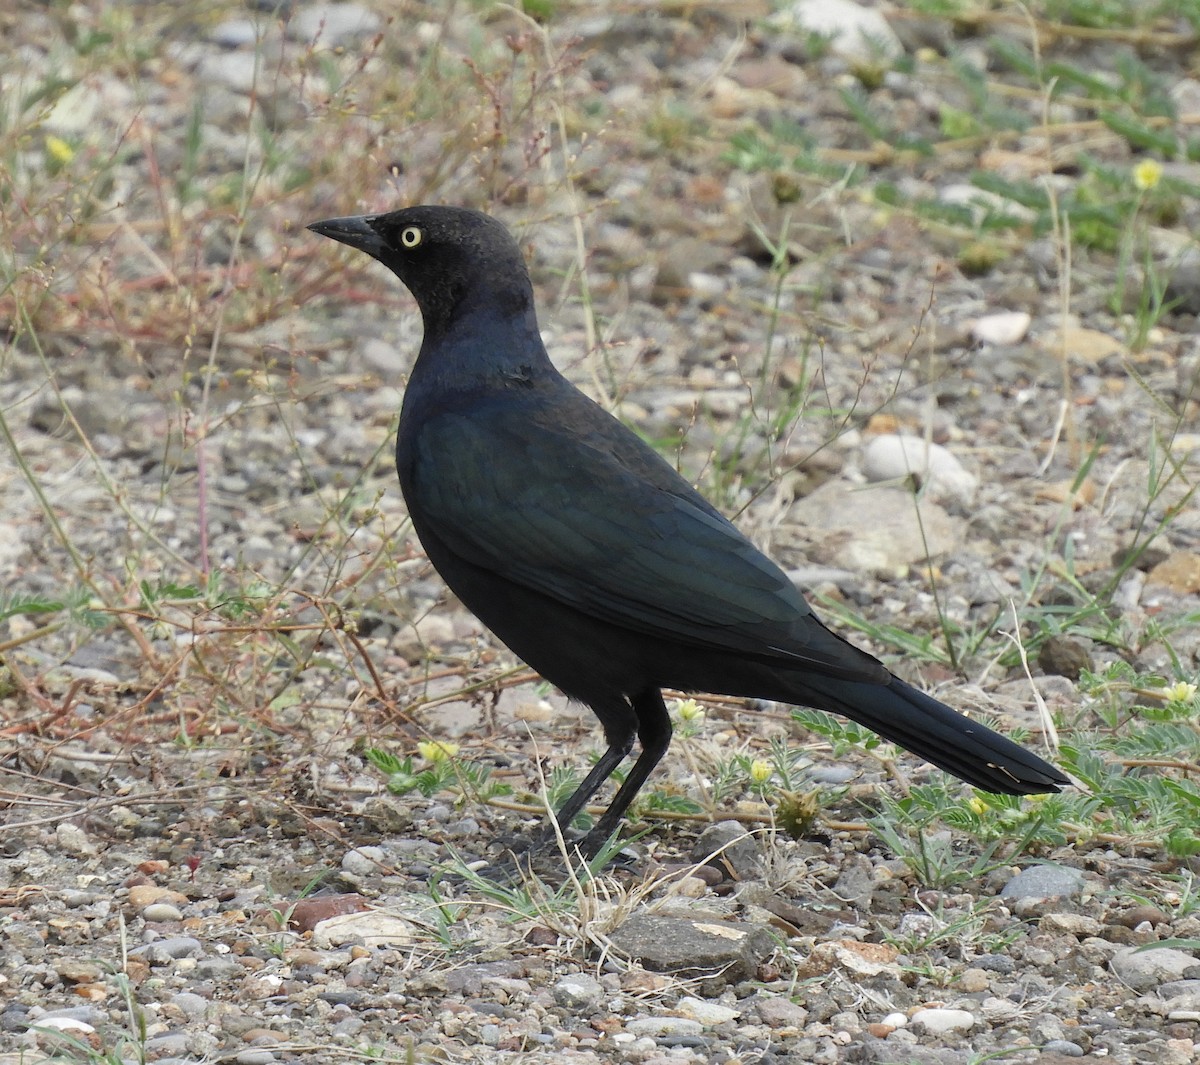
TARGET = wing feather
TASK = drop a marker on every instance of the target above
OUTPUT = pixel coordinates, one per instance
(609, 528)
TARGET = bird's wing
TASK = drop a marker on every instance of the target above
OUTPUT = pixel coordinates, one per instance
(600, 522)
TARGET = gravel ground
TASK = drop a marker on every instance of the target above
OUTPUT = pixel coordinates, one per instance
(198, 864)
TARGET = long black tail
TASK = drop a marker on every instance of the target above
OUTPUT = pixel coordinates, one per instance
(948, 739)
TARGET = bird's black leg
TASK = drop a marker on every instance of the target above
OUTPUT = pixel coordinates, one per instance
(619, 731)
(618, 721)
(654, 732)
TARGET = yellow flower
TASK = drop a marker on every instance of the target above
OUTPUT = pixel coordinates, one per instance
(59, 150)
(1183, 692)
(689, 710)
(977, 806)
(437, 750)
(760, 771)
(1147, 174)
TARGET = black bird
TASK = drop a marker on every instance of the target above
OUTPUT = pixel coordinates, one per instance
(588, 555)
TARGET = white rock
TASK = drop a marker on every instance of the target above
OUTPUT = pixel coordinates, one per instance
(1186, 445)
(65, 1024)
(238, 71)
(896, 1020)
(857, 33)
(161, 912)
(894, 456)
(707, 1013)
(74, 840)
(705, 286)
(372, 928)
(1006, 327)
(334, 24)
(235, 33)
(944, 1020)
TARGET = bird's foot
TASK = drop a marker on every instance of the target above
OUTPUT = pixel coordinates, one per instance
(545, 855)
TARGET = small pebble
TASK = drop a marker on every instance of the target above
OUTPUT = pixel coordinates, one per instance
(235, 33)
(1044, 881)
(578, 992)
(894, 456)
(172, 948)
(193, 1005)
(87, 1016)
(162, 911)
(74, 840)
(941, 1020)
(363, 861)
(1075, 924)
(660, 1026)
(974, 980)
(783, 1013)
(1139, 915)
(995, 963)
(1064, 1047)
(489, 1034)
(707, 1013)
(1007, 327)
(143, 895)
(167, 1045)
(218, 968)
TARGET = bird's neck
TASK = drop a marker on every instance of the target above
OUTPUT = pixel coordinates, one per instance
(482, 346)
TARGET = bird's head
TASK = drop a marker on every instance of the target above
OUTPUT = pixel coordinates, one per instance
(445, 256)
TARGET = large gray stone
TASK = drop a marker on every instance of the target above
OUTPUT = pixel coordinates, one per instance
(694, 946)
(1043, 882)
(1143, 970)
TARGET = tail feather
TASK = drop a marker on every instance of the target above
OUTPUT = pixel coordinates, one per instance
(948, 739)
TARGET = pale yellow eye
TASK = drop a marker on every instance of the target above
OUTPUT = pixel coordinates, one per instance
(410, 236)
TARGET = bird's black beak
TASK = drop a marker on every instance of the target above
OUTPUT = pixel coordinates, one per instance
(355, 230)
